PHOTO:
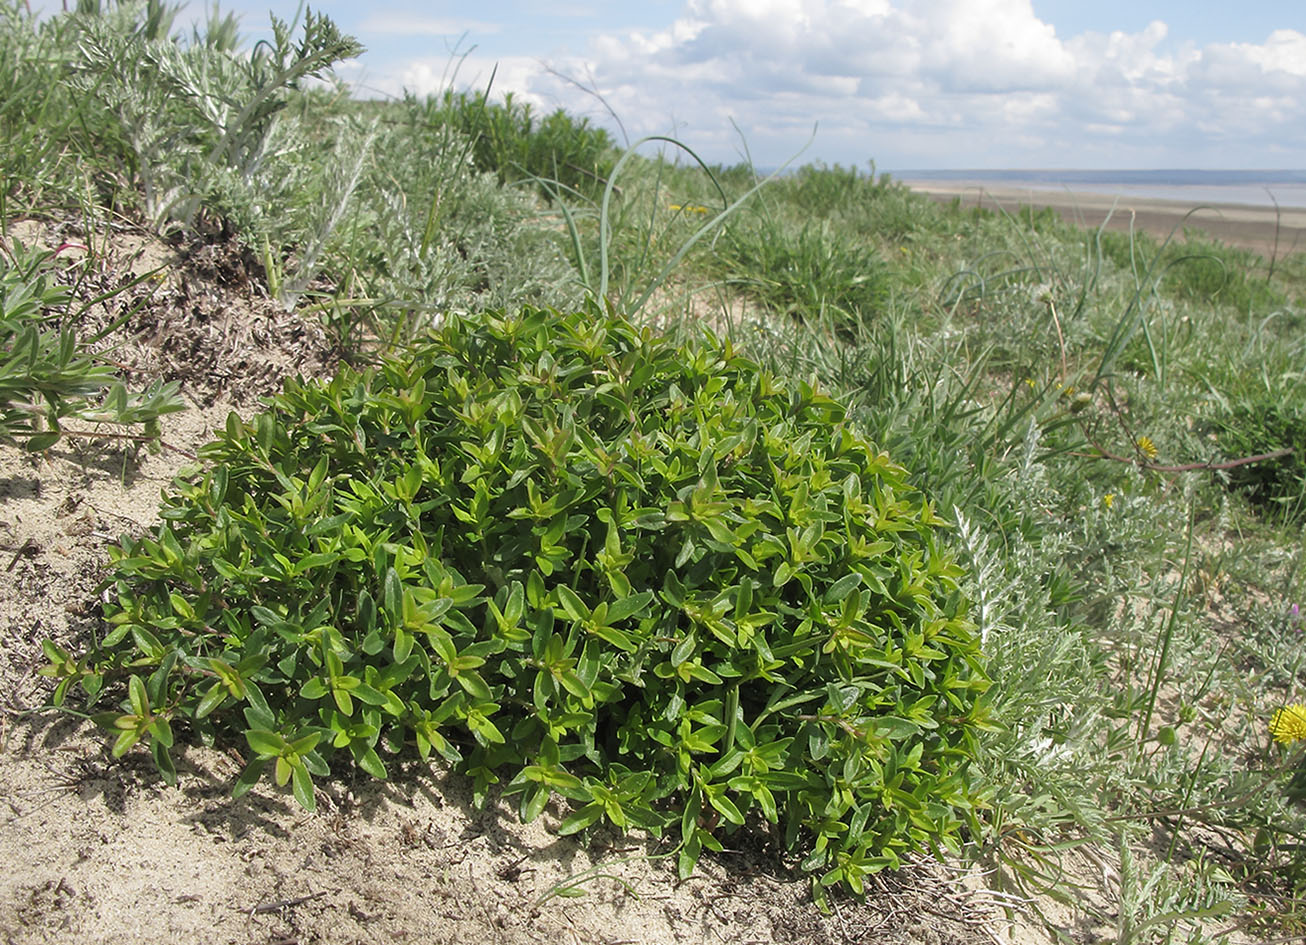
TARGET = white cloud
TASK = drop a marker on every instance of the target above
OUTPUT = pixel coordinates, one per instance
(918, 82)
(1283, 52)
(987, 45)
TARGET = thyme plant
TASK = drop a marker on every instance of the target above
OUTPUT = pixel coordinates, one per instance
(574, 558)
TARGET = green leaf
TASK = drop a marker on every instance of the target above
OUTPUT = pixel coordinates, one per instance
(370, 762)
(689, 816)
(305, 743)
(115, 636)
(125, 741)
(818, 742)
(55, 653)
(573, 684)
(896, 728)
(618, 638)
(673, 592)
(39, 442)
(475, 686)
(249, 776)
(61, 692)
(403, 645)
(161, 731)
(314, 688)
(580, 819)
(629, 606)
(842, 588)
(571, 604)
(365, 693)
(302, 787)
(140, 703)
(533, 803)
(516, 606)
(393, 593)
(265, 744)
(163, 761)
(726, 806)
(181, 607)
(218, 480)
(683, 650)
(690, 851)
(484, 730)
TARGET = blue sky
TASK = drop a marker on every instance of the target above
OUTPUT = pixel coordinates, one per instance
(907, 83)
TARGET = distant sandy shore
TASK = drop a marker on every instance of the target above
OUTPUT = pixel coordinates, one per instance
(1240, 225)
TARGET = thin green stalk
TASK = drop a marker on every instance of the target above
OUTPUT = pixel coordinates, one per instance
(570, 887)
(1167, 636)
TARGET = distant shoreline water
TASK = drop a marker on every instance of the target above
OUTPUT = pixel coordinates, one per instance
(1248, 188)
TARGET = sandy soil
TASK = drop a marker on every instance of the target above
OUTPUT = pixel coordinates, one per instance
(1238, 225)
(100, 850)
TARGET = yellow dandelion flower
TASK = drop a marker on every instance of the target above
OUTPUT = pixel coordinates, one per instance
(1146, 447)
(1288, 724)
(1109, 499)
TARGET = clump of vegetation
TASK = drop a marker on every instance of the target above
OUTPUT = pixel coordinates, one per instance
(564, 552)
(1197, 269)
(806, 271)
(49, 369)
(1277, 485)
(509, 140)
(193, 120)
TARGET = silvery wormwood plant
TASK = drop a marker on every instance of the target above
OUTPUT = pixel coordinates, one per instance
(188, 113)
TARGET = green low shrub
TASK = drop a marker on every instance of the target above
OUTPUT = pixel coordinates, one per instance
(566, 553)
(1210, 273)
(1276, 486)
(510, 140)
(1196, 270)
(808, 273)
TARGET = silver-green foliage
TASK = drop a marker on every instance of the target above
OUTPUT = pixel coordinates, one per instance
(430, 234)
(568, 554)
(194, 117)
